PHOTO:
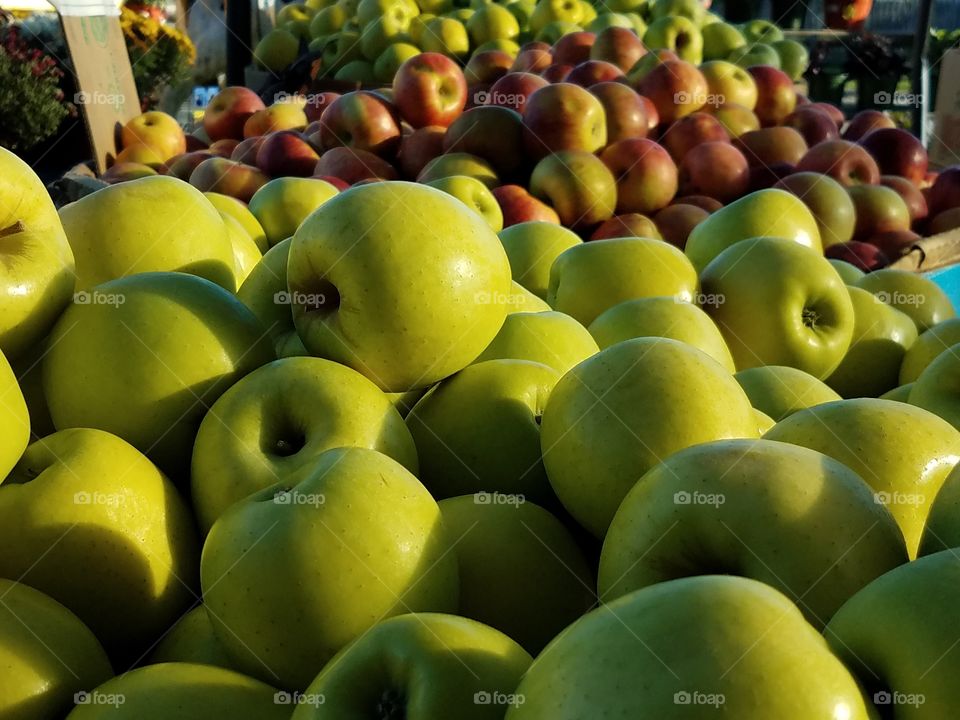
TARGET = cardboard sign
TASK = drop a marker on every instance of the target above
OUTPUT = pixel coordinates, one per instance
(945, 145)
(106, 93)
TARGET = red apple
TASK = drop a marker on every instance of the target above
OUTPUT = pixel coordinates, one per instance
(183, 165)
(228, 177)
(619, 46)
(573, 48)
(123, 171)
(224, 148)
(339, 184)
(535, 45)
(420, 147)
(520, 206)
(361, 120)
(352, 165)
(835, 113)
(317, 103)
(766, 176)
(894, 243)
(772, 146)
(284, 116)
(897, 152)
(647, 177)
(629, 225)
(227, 112)
(563, 117)
(945, 222)
(246, 150)
(711, 205)
(492, 133)
(866, 121)
(429, 89)
(287, 153)
(194, 143)
(677, 88)
(688, 132)
(514, 89)
(653, 117)
(911, 194)
(534, 60)
(625, 111)
(861, 255)
(879, 210)
(776, 94)
(944, 194)
(556, 73)
(715, 169)
(847, 163)
(487, 67)
(676, 222)
(815, 126)
(592, 72)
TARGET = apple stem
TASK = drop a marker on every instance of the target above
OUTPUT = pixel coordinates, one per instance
(17, 227)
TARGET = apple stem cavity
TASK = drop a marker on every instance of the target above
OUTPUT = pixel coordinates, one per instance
(323, 298)
(17, 227)
(810, 318)
(391, 706)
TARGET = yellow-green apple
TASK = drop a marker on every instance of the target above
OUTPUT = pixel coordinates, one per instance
(420, 147)
(281, 116)
(848, 270)
(627, 225)
(277, 49)
(487, 67)
(287, 152)
(661, 317)
(513, 90)
(492, 133)
(794, 57)
(265, 293)
(916, 603)
(729, 83)
(27, 374)
(246, 254)
(865, 122)
(283, 203)
(755, 55)
(279, 419)
(913, 197)
(189, 691)
(563, 116)
(520, 569)
(936, 387)
(779, 391)
(97, 487)
(815, 125)
(681, 137)
(659, 396)
(746, 500)
(917, 296)
(383, 32)
(878, 210)
(548, 11)
(492, 22)
(156, 130)
(190, 640)
(715, 169)
(676, 88)
(900, 393)
(619, 46)
(521, 300)
(140, 381)
(736, 119)
(356, 72)
(475, 195)
(37, 277)
(352, 166)
(406, 280)
(389, 61)
(676, 33)
(240, 212)
(592, 668)
(903, 452)
(420, 666)
(847, 163)
(676, 222)
(578, 185)
(493, 448)
(881, 337)
(590, 278)
(519, 206)
(152, 224)
(531, 248)
(143, 155)
(719, 40)
(690, 9)
(776, 94)
(48, 655)
(228, 177)
(772, 147)
(459, 163)
(646, 175)
(831, 205)
(227, 112)
(446, 36)
(808, 319)
(369, 10)
(625, 112)
(771, 213)
(928, 347)
(761, 31)
(352, 513)
(430, 89)
(897, 152)
(362, 120)
(549, 337)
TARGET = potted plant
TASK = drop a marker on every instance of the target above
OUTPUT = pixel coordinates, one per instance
(877, 66)
(848, 15)
(161, 57)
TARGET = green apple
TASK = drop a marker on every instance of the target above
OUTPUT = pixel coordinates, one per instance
(283, 203)
(829, 202)
(246, 254)
(274, 565)
(155, 223)
(592, 277)
(610, 19)
(458, 163)
(757, 53)
(589, 15)
(447, 36)
(766, 213)
(265, 293)
(637, 23)
(474, 194)
(779, 303)
(548, 11)
(903, 452)
(421, 666)
(327, 21)
(492, 22)
(761, 31)
(357, 72)
(928, 347)
(240, 212)
(942, 529)
(127, 565)
(689, 9)
(404, 402)
(521, 300)
(747, 501)
(279, 419)
(532, 248)
(616, 414)
(369, 11)
(521, 570)
(849, 273)
(780, 391)
(938, 386)
(909, 669)
(508, 46)
(730, 83)
(479, 431)
(900, 394)
(764, 421)
(145, 356)
(276, 50)
(14, 419)
(191, 640)
(409, 282)
(720, 39)
(577, 184)
(661, 317)
(186, 691)
(37, 277)
(676, 33)
(702, 647)
(383, 32)
(551, 32)
(390, 60)
(47, 655)
(29, 374)
(547, 337)
(882, 335)
(911, 293)
(794, 58)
